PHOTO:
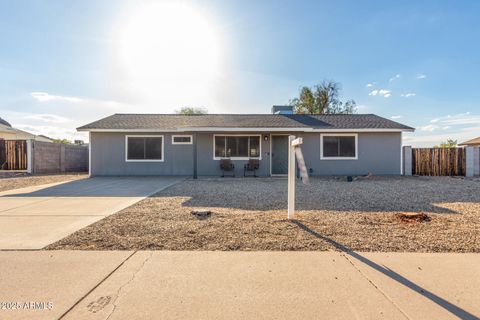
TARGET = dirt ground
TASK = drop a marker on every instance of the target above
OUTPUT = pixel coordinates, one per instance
(16, 181)
(332, 214)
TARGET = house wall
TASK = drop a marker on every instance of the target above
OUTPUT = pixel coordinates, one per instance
(476, 161)
(8, 136)
(209, 167)
(378, 153)
(472, 161)
(108, 156)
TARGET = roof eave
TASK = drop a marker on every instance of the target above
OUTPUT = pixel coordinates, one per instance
(246, 129)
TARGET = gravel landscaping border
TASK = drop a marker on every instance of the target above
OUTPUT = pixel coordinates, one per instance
(10, 181)
(250, 214)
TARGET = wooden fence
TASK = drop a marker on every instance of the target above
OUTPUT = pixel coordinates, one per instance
(42, 157)
(438, 161)
(13, 155)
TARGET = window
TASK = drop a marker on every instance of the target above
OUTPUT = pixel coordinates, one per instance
(181, 139)
(236, 147)
(254, 148)
(219, 147)
(338, 146)
(144, 148)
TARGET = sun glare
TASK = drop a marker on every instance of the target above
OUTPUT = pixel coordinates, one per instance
(169, 44)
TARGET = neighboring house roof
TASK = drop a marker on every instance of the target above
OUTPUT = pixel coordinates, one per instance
(44, 138)
(9, 129)
(473, 142)
(4, 122)
(301, 122)
(13, 133)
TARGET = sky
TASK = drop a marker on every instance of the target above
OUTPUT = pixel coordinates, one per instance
(67, 63)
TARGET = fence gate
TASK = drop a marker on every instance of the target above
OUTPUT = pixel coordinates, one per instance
(13, 155)
(438, 161)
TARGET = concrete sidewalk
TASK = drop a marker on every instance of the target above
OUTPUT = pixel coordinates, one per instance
(241, 285)
(34, 217)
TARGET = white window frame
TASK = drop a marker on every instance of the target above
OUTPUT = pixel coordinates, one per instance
(339, 135)
(144, 160)
(238, 135)
(182, 136)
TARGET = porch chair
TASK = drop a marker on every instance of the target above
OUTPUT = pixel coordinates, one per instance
(227, 165)
(252, 165)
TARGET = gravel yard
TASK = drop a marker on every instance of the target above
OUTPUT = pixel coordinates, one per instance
(250, 214)
(16, 181)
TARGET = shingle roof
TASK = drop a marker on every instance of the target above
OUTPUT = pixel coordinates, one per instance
(5, 122)
(300, 121)
(474, 141)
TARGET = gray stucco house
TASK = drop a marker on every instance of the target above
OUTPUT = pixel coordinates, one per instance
(170, 144)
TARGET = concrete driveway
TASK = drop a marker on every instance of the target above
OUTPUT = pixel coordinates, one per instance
(34, 217)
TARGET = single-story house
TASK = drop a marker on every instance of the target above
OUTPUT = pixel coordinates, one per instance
(172, 144)
(7, 132)
(471, 143)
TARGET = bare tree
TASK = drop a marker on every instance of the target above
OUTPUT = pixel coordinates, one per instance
(450, 143)
(192, 110)
(323, 98)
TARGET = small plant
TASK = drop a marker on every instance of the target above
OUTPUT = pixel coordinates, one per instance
(62, 141)
(450, 143)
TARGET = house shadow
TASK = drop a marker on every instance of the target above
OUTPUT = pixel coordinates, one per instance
(387, 195)
(264, 194)
(448, 306)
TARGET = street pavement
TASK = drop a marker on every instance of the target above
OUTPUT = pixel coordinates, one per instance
(240, 285)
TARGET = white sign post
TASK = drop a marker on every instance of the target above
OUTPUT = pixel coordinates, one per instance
(294, 149)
